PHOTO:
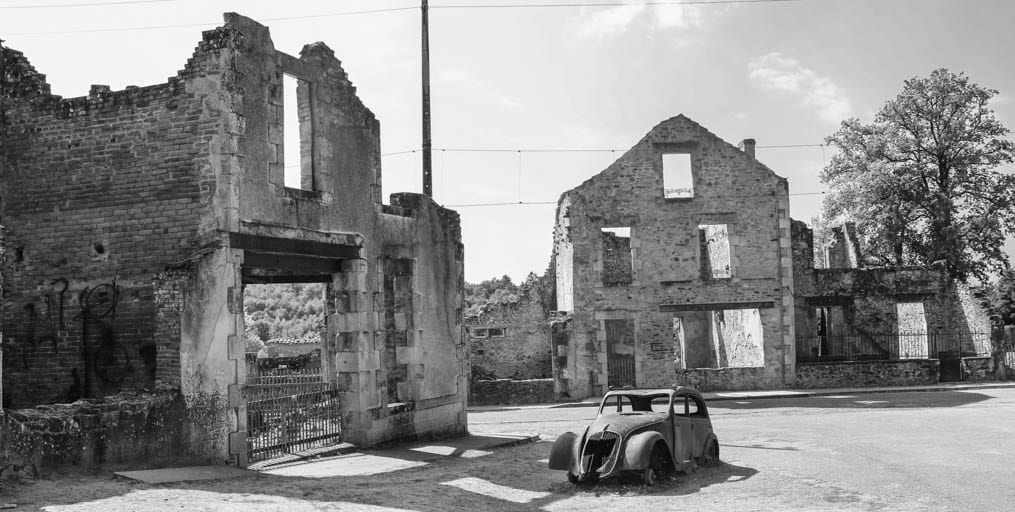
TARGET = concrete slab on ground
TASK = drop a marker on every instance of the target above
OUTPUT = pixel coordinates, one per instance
(185, 474)
(399, 457)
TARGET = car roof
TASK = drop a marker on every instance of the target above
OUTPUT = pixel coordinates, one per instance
(652, 391)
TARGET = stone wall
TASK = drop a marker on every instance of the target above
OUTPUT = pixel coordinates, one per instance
(722, 379)
(523, 349)
(978, 369)
(511, 392)
(114, 429)
(676, 270)
(867, 373)
(134, 219)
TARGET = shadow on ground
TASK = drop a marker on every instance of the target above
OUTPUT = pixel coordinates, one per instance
(859, 401)
(509, 478)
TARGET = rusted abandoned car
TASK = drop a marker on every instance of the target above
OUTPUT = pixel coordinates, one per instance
(643, 430)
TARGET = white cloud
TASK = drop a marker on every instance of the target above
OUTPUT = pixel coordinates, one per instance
(679, 16)
(598, 23)
(607, 22)
(777, 72)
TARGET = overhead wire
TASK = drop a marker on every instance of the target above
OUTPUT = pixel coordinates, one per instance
(366, 11)
(91, 4)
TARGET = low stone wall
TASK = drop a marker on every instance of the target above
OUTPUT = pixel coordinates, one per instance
(115, 429)
(722, 379)
(511, 392)
(978, 369)
(867, 373)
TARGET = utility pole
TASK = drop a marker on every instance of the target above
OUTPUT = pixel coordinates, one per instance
(427, 157)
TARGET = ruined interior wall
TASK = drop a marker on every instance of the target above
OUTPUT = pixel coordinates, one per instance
(730, 189)
(524, 350)
(345, 195)
(99, 194)
(563, 256)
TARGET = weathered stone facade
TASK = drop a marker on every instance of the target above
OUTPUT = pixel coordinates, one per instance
(511, 341)
(134, 218)
(710, 278)
(511, 391)
(907, 312)
(705, 281)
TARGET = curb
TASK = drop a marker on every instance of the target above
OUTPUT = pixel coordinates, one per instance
(775, 394)
(316, 453)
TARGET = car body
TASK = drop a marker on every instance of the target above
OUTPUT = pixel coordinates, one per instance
(643, 430)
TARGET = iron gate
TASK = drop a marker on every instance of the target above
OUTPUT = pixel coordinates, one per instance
(290, 410)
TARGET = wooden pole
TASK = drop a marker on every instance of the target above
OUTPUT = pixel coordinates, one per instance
(427, 146)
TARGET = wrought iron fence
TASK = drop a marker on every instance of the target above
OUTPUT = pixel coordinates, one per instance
(893, 346)
(290, 410)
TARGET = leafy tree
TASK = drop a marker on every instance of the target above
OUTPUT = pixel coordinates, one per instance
(922, 181)
(282, 311)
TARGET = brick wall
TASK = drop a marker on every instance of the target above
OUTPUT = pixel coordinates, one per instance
(100, 194)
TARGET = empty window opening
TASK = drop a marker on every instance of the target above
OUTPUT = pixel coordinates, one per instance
(496, 332)
(678, 182)
(730, 338)
(480, 333)
(297, 131)
(618, 262)
(715, 251)
(912, 330)
(829, 340)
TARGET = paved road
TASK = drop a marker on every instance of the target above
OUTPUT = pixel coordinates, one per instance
(932, 451)
(906, 451)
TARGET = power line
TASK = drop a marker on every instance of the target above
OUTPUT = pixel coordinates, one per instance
(606, 4)
(369, 11)
(543, 203)
(567, 150)
(94, 4)
(191, 25)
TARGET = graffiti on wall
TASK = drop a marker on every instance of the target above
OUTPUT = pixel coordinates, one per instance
(47, 327)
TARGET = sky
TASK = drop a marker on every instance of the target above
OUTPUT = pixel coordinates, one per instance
(530, 82)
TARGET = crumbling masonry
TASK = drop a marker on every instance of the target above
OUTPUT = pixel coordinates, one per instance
(679, 264)
(134, 218)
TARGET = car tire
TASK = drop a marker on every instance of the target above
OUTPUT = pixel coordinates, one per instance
(710, 455)
(648, 476)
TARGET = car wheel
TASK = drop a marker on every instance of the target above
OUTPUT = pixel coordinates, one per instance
(649, 476)
(573, 478)
(710, 456)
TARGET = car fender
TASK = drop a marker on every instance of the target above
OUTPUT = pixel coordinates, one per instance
(562, 453)
(638, 449)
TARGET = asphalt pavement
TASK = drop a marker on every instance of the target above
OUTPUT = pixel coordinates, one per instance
(711, 396)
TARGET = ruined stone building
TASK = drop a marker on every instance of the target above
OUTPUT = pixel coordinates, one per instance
(679, 264)
(675, 263)
(511, 341)
(135, 218)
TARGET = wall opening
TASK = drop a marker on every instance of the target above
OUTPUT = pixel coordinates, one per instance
(289, 401)
(715, 251)
(678, 181)
(620, 347)
(297, 132)
(618, 261)
(730, 338)
(912, 329)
